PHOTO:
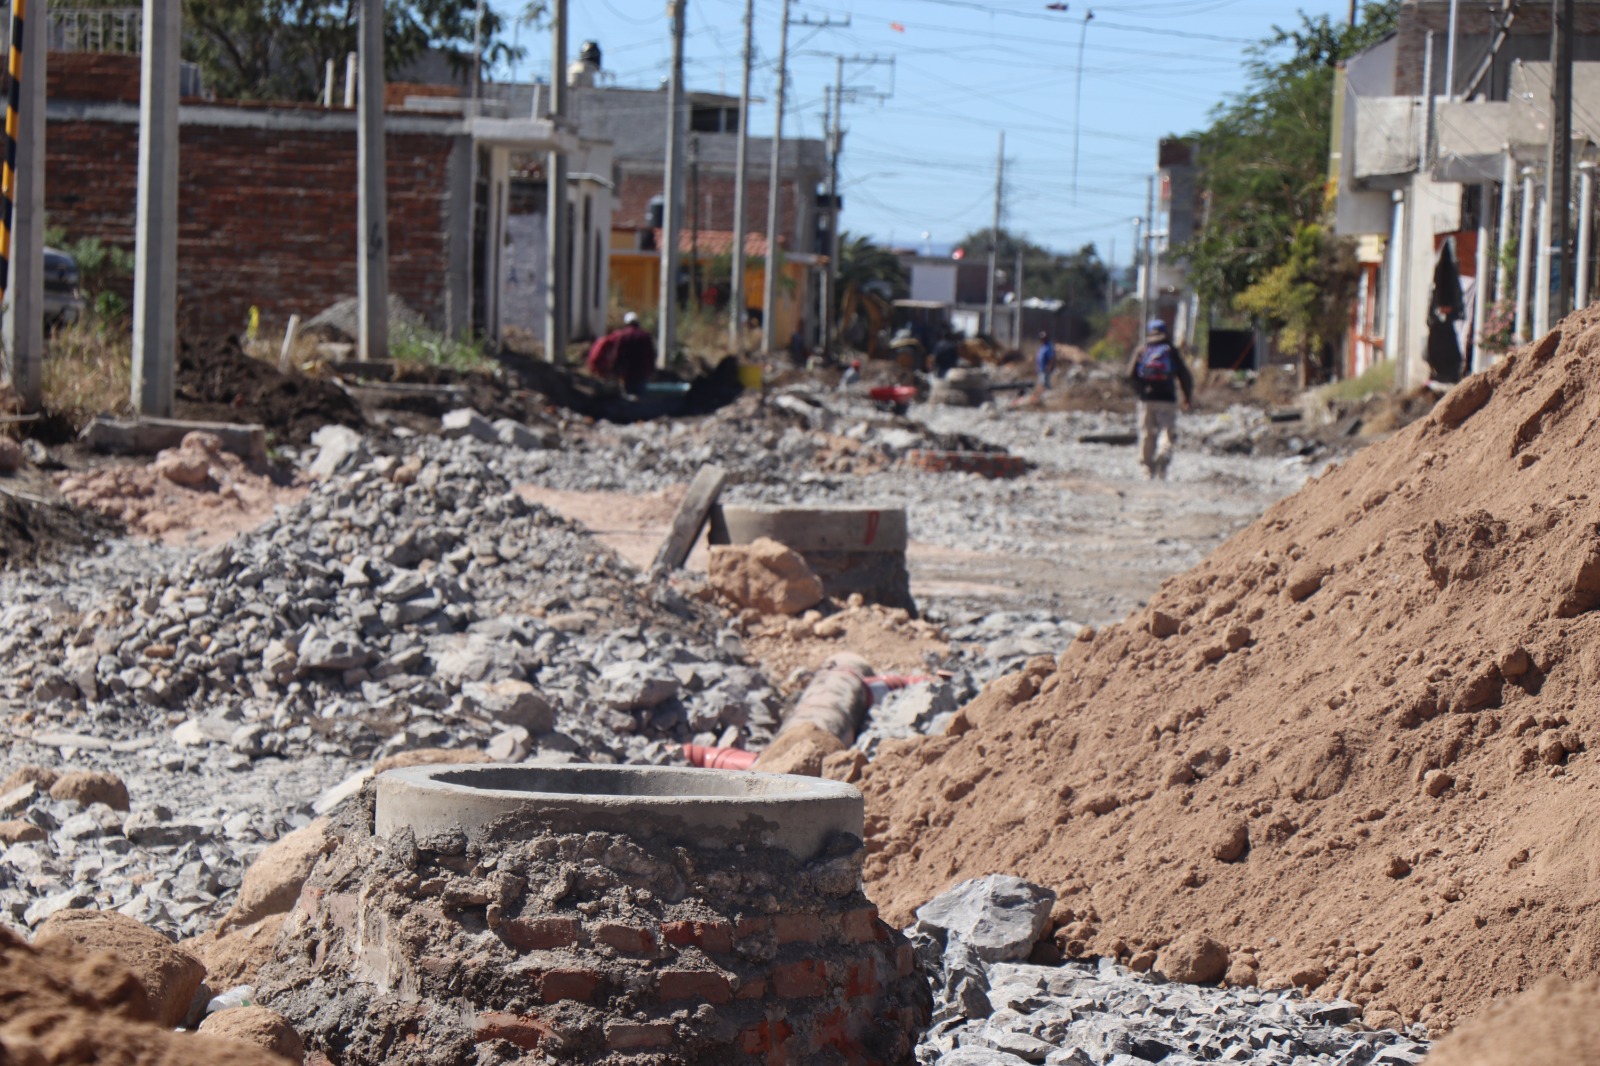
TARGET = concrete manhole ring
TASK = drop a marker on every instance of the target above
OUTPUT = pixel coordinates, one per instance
(702, 807)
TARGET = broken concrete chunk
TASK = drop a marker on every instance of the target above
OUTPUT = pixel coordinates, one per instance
(465, 422)
(998, 917)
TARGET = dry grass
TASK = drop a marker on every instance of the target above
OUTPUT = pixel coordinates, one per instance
(88, 370)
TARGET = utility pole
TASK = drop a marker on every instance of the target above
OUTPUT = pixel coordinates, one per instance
(155, 277)
(769, 289)
(1016, 299)
(22, 284)
(1558, 176)
(830, 296)
(1147, 297)
(737, 300)
(558, 238)
(372, 210)
(1353, 12)
(694, 219)
(994, 231)
(672, 194)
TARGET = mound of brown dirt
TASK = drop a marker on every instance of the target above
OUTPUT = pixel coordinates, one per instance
(1555, 1021)
(1357, 743)
(220, 383)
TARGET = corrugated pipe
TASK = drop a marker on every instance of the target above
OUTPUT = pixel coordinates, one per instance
(719, 758)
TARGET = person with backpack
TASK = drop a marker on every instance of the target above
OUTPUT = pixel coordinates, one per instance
(1044, 363)
(1157, 371)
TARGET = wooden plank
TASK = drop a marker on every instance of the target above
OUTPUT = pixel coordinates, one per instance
(686, 524)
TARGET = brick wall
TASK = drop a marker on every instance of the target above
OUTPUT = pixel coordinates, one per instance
(266, 216)
(638, 187)
(92, 76)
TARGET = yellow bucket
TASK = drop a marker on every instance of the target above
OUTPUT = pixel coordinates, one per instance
(750, 375)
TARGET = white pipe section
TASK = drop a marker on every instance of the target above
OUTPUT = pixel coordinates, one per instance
(1480, 294)
(1396, 268)
(1508, 201)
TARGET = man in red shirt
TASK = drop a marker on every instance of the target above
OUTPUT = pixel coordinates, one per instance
(627, 354)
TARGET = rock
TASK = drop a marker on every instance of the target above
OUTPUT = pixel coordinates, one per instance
(30, 774)
(637, 686)
(998, 917)
(235, 958)
(800, 750)
(979, 1056)
(15, 832)
(1232, 841)
(1193, 959)
(1163, 625)
(1305, 580)
(191, 469)
(513, 702)
(510, 431)
(1437, 782)
(11, 456)
(465, 422)
(326, 653)
(258, 1026)
(273, 882)
(338, 448)
(169, 975)
(510, 745)
(19, 798)
(1462, 401)
(765, 576)
(84, 787)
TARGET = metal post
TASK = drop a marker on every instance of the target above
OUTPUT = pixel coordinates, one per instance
(1016, 298)
(1480, 293)
(1450, 53)
(836, 143)
(1077, 105)
(372, 205)
(1148, 297)
(694, 220)
(1585, 233)
(769, 287)
(22, 284)
(1525, 245)
(1508, 201)
(1542, 272)
(672, 193)
(327, 84)
(1425, 138)
(351, 63)
(737, 301)
(558, 238)
(994, 231)
(155, 275)
(1558, 178)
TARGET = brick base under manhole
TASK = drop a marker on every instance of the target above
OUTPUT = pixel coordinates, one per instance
(590, 947)
(988, 464)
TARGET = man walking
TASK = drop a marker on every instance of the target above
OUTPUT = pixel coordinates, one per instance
(1044, 364)
(1157, 371)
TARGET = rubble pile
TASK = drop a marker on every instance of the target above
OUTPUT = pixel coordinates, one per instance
(413, 601)
(997, 1003)
(1354, 744)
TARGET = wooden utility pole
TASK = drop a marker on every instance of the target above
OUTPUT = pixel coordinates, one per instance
(1559, 174)
(372, 208)
(769, 288)
(994, 231)
(672, 194)
(558, 238)
(737, 300)
(830, 296)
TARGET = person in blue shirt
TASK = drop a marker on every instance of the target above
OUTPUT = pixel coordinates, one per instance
(1045, 362)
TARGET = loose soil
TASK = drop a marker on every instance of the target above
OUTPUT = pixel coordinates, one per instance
(31, 531)
(886, 637)
(1355, 745)
(220, 383)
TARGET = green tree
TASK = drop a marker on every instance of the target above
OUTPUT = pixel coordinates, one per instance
(275, 49)
(871, 278)
(1306, 298)
(1264, 162)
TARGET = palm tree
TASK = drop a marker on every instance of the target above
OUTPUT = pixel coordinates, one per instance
(870, 279)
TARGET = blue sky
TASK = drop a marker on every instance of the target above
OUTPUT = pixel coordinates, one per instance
(923, 160)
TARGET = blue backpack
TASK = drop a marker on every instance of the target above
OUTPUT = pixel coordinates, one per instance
(1155, 363)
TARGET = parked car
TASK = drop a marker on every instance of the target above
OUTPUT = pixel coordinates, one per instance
(63, 303)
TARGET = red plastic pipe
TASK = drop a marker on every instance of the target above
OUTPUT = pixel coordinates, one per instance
(719, 758)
